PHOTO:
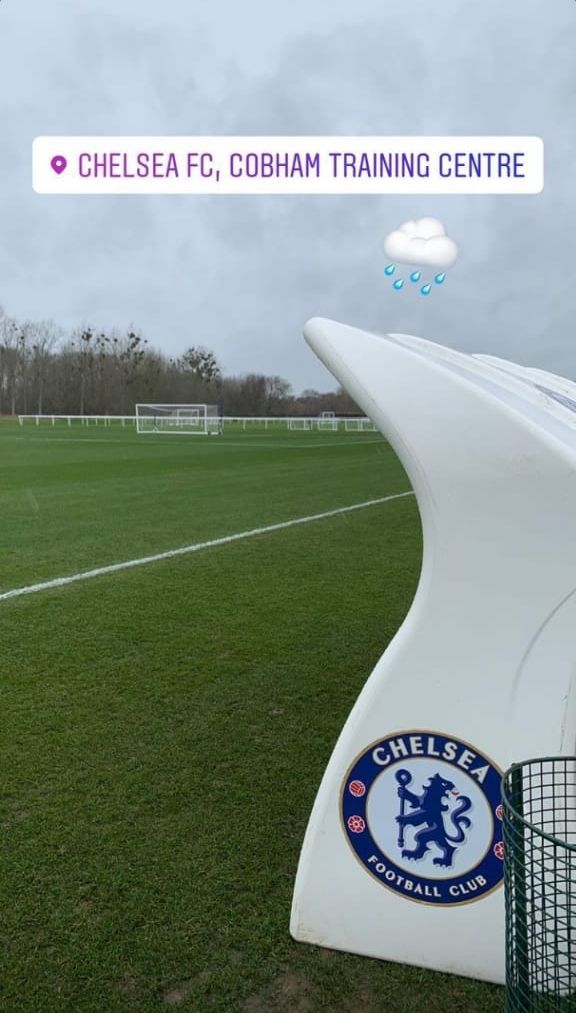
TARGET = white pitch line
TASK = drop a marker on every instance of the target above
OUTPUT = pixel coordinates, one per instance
(196, 547)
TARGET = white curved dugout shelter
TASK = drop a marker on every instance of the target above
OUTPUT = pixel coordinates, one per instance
(402, 858)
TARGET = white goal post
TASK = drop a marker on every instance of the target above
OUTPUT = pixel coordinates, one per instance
(327, 421)
(360, 425)
(179, 419)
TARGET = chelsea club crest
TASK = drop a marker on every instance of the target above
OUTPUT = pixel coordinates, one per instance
(421, 810)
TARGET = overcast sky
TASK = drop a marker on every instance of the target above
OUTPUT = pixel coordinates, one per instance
(242, 274)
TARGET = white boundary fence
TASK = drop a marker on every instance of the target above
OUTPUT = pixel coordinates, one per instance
(296, 422)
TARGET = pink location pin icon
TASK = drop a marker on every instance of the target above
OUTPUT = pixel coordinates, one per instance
(58, 164)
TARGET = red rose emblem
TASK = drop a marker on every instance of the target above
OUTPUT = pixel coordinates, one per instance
(356, 824)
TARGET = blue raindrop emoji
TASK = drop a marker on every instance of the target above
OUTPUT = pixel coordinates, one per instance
(390, 269)
(398, 284)
(439, 279)
(415, 276)
(425, 290)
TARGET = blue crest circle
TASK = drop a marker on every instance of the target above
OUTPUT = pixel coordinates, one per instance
(421, 810)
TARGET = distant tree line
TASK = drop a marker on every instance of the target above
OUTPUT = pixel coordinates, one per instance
(94, 372)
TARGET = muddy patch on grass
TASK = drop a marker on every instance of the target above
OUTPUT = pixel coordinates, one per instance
(180, 991)
(293, 993)
(288, 994)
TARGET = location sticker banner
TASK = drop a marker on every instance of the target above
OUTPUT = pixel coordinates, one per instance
(288, 165)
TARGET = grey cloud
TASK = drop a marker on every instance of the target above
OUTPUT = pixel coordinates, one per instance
(242, 274)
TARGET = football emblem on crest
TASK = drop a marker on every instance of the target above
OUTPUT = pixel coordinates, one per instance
(357, 788)
(426, 821)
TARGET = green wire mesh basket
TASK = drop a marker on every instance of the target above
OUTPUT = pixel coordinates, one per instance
(539, 816)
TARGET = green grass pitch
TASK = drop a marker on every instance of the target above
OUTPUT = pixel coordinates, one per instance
(165, 728)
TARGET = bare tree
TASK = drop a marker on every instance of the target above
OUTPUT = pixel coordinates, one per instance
(107, 372)
(42, 338)
(202, 363)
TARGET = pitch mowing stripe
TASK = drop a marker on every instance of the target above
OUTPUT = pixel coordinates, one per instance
(248, 441)
(196, 547)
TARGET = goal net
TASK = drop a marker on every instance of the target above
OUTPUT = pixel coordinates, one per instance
(182, 419)
(327, 421)
(360, 426)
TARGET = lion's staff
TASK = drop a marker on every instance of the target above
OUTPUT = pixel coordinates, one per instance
(403, 777)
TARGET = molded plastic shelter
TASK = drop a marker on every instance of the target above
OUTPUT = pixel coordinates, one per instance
(402, 859)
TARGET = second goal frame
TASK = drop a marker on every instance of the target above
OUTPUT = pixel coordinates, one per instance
(179, 419)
